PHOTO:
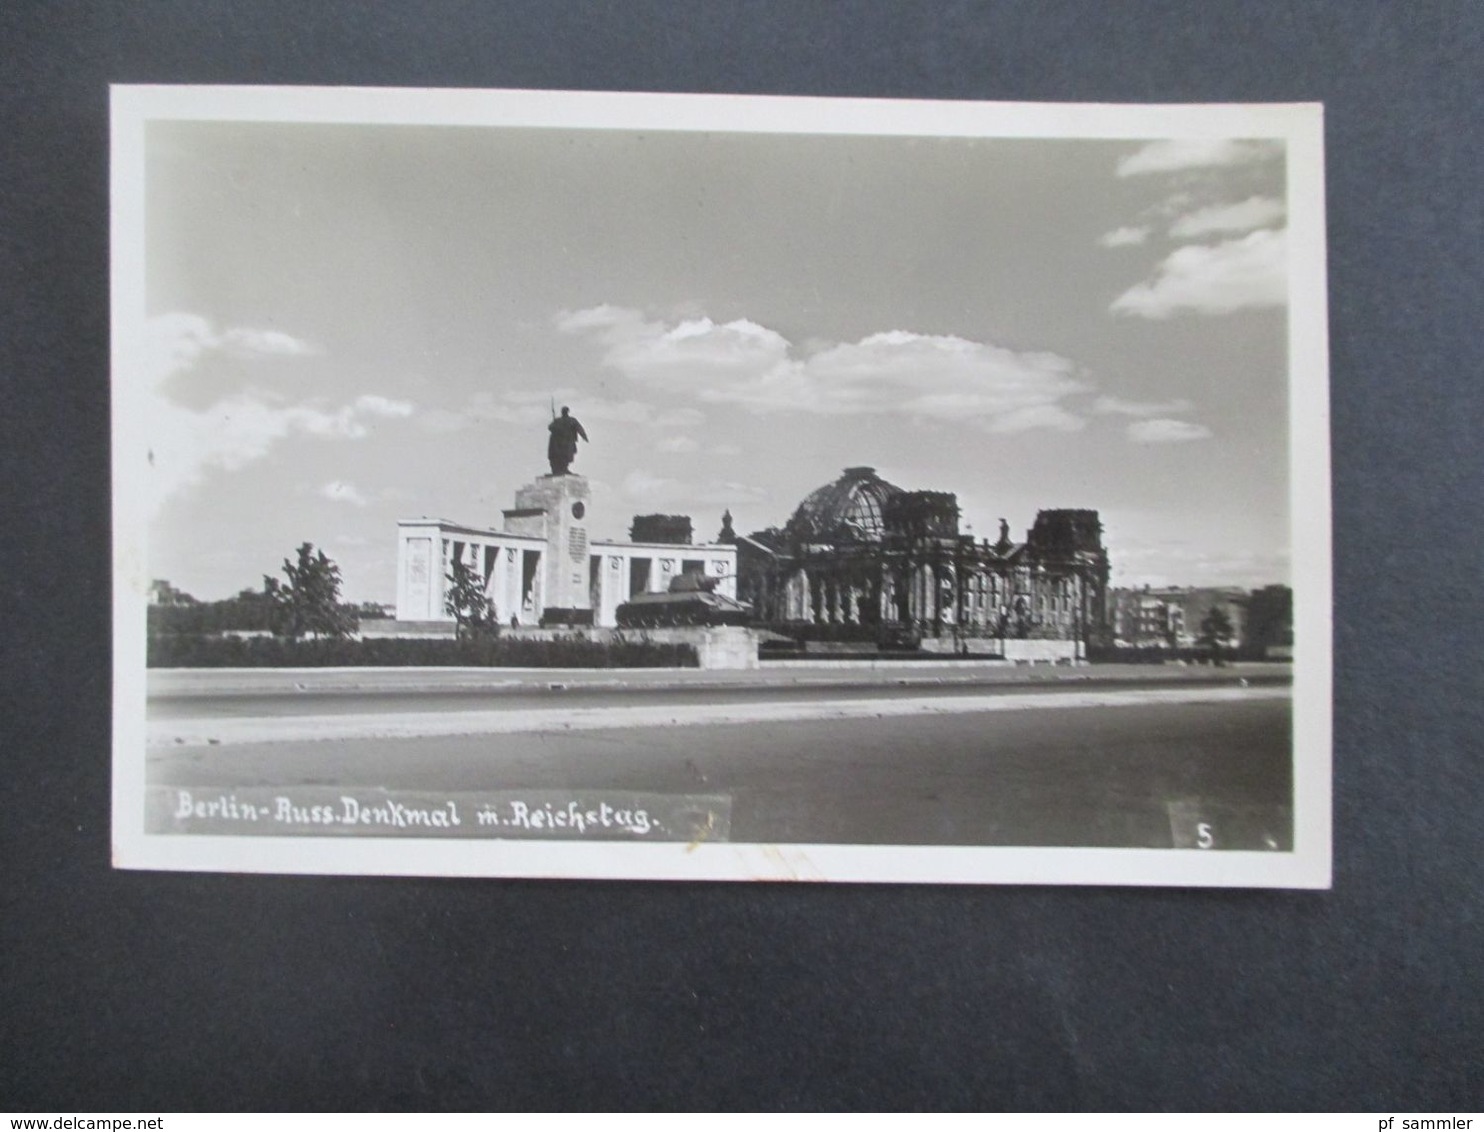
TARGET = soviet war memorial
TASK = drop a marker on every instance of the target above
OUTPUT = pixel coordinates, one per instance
(860, 562)
(543, 567)
(595, 489)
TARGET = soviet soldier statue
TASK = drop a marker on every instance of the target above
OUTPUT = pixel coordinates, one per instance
(561, 449)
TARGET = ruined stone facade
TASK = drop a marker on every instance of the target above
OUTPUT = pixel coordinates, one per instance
(863, 559)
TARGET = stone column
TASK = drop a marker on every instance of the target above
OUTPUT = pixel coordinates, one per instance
(564, 503)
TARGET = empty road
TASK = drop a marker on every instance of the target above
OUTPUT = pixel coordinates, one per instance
(1122, 759)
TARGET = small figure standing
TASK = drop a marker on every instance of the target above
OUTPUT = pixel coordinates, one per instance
(561, 449)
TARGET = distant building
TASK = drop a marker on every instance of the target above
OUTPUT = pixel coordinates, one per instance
(862, 558)
(673, 530)
(1169, 617)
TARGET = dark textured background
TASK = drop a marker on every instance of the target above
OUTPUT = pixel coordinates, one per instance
(138, 991)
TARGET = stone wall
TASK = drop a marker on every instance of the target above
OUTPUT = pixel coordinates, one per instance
(1020, 652)
(965, 646)
(727, 646)
(1043, 652)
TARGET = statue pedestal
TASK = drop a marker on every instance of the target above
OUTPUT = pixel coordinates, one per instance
(556, 507)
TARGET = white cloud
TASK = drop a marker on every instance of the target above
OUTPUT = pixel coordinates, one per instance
(247, 341)
(1254, 212)
(379, 406)
(527, 406)
(692, 353)
(616, 412)
(531, 407)
(174, 342)
(1052, 417)
(1195, 153)
(646, 490)
(1164, 430)
(1121, 407)
(1123, 237)
(677, 444)
(894, 372)
(650, 490)
(236, 430)
(338, 491)
(1214, 279)
(1177, 563)
(680, 418)
(444, 420)
(1177, 201)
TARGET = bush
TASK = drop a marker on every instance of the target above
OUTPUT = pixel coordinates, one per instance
(183, 651)
(243, 614)
(249, 612)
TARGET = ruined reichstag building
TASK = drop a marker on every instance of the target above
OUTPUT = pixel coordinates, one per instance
(864, 560)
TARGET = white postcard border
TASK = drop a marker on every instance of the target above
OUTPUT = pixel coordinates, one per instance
(1308, 865)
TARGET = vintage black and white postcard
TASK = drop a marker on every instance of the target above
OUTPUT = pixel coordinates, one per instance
(542, 484)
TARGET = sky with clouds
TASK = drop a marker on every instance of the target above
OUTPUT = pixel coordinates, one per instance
(349, 325)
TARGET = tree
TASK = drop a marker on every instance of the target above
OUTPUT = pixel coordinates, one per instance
(1216, 632)
(469, 605)
(1269, 620)
(161, 592)
(309, 603)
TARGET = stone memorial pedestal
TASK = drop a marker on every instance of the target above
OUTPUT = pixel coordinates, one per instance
(556, 507)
